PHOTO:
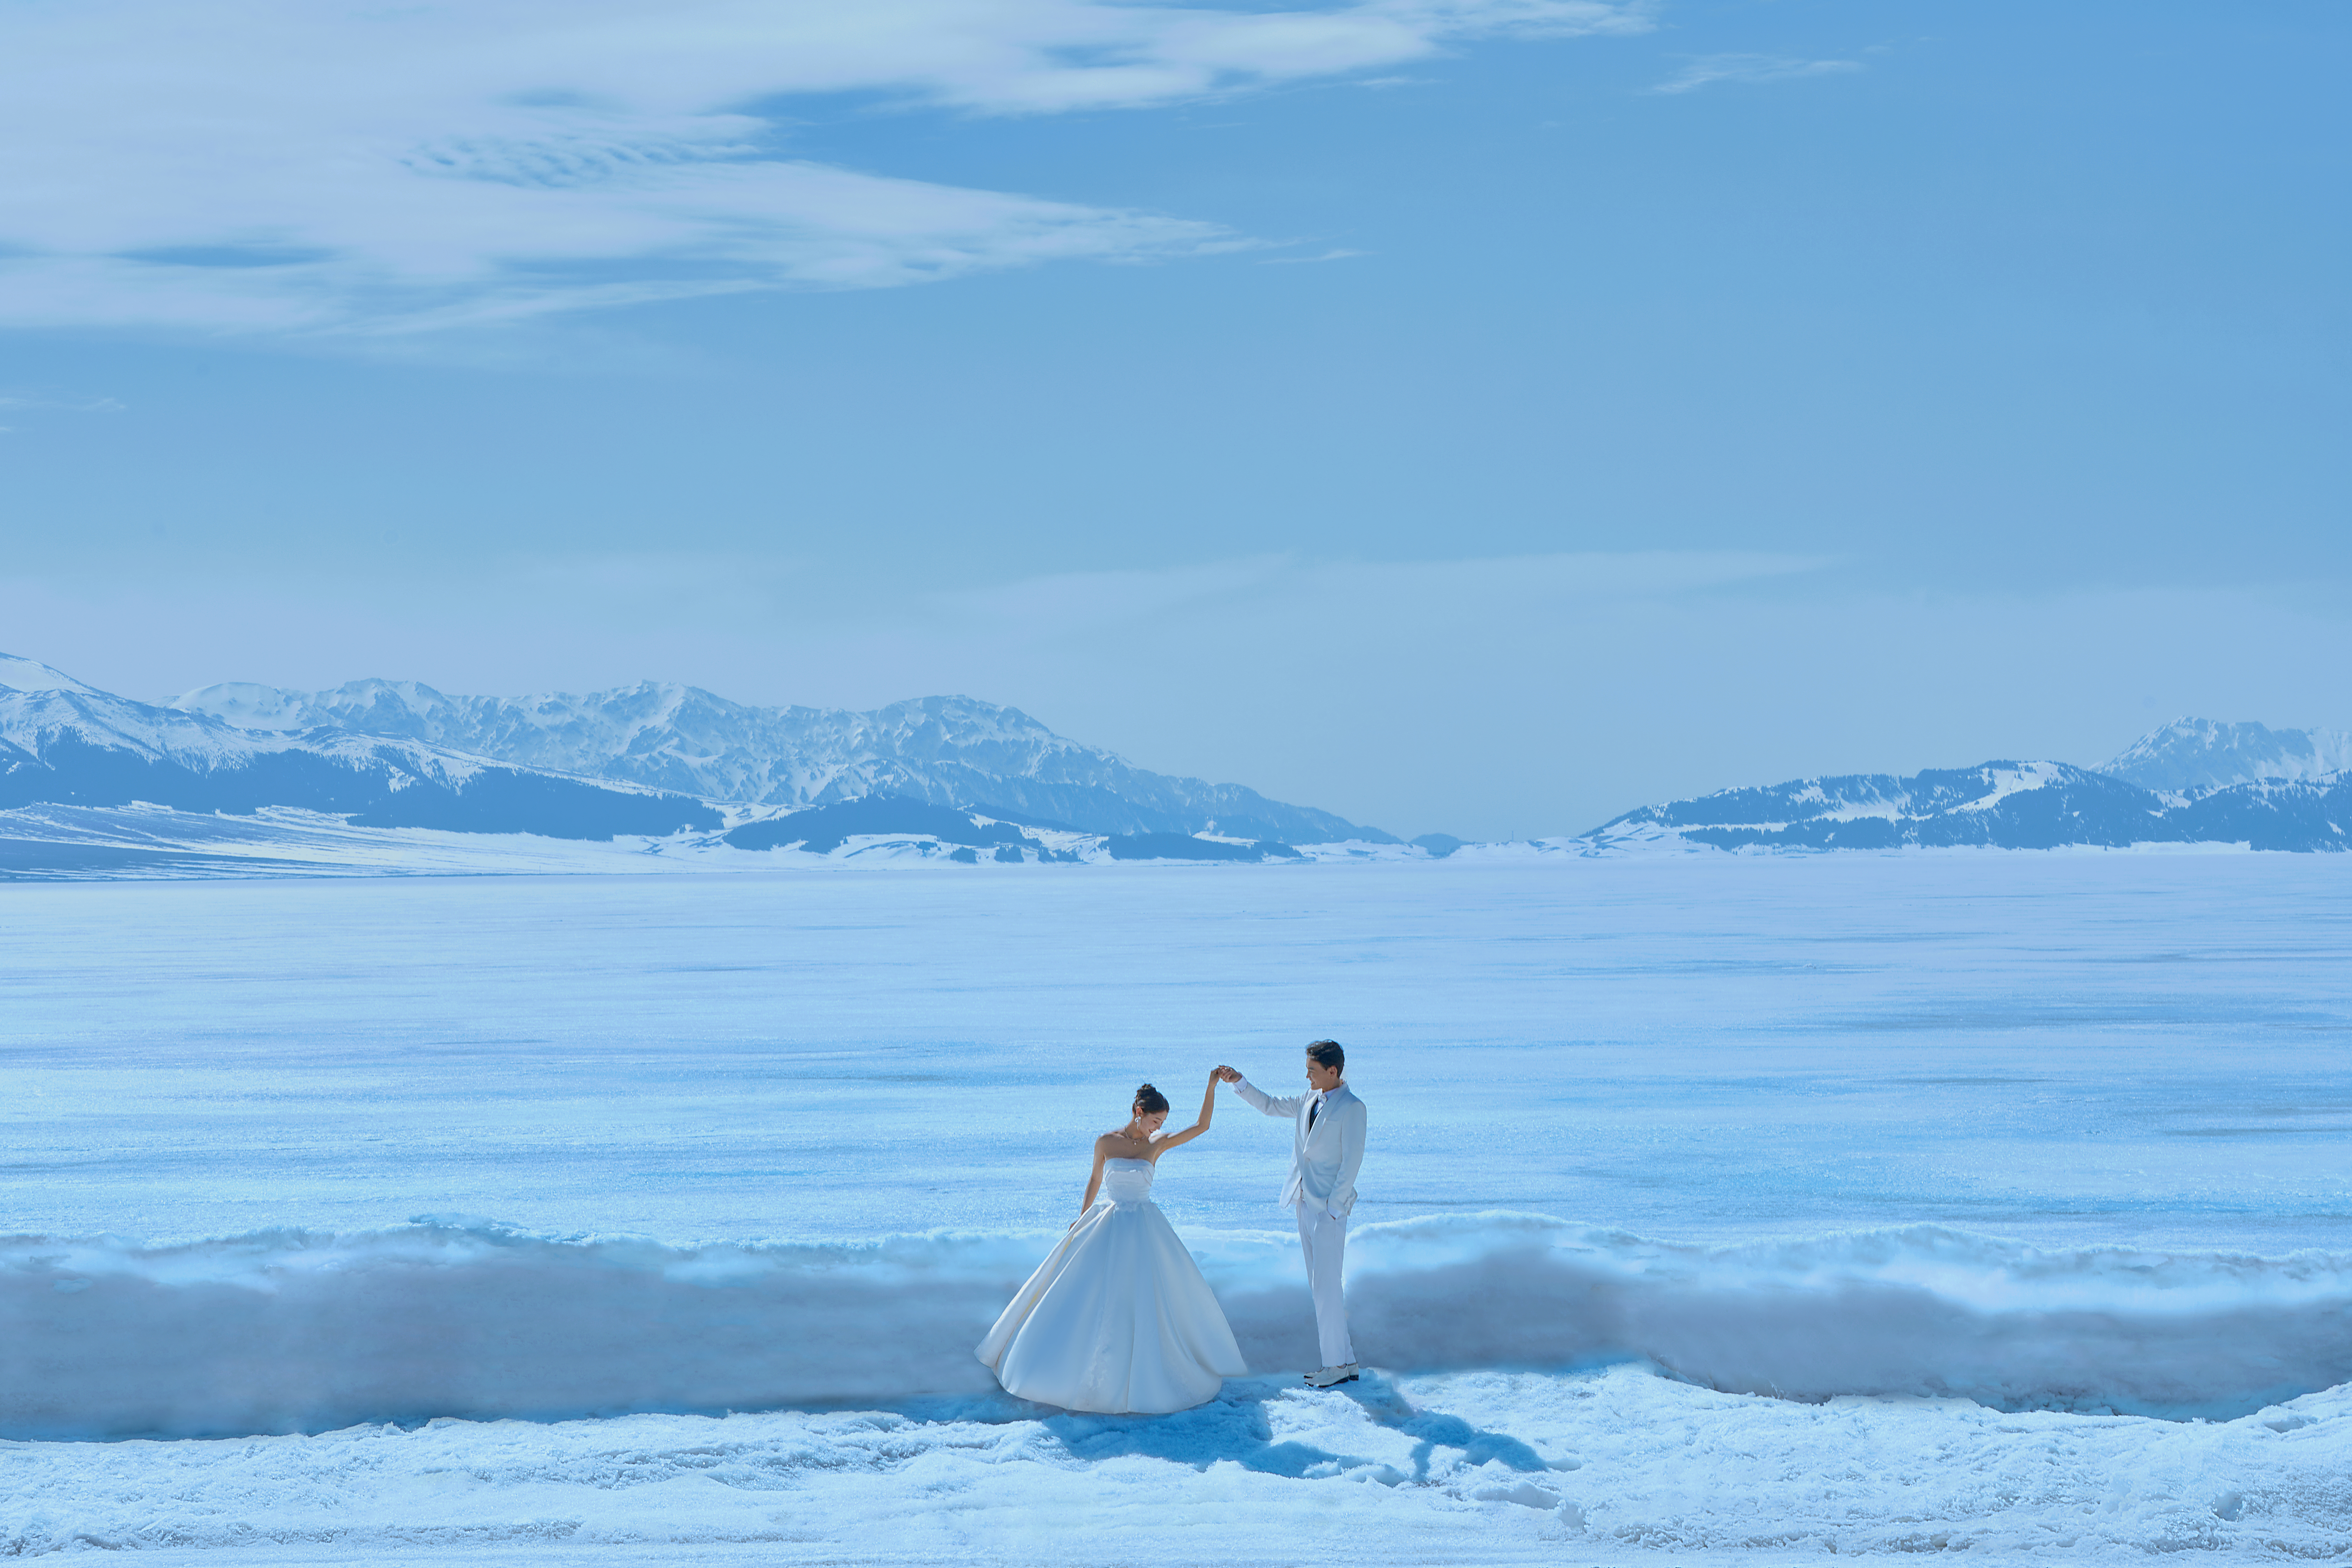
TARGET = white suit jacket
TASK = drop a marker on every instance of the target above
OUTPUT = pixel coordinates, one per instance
(1323, 1161)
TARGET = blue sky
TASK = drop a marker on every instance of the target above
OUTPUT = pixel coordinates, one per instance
(1479, 415)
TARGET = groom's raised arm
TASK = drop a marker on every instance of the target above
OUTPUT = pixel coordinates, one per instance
(1266, 1103)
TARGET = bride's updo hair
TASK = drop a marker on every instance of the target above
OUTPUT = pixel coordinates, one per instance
(1149, 1101)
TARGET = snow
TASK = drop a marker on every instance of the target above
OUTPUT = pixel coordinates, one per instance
(2006, 782)
(147, 842)
(293, 1331)
(30, 674)
(2191, 757)
(29, 714)
(1469, 1467)
(246, 705)
(938, 748)
(1719, 1208)
(144, 841)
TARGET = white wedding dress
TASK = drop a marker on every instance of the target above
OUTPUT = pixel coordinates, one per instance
(1119, 1318)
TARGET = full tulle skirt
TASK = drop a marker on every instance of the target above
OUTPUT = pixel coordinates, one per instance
(1118, 1320)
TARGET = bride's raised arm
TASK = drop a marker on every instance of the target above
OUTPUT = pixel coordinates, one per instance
(1208, 1109)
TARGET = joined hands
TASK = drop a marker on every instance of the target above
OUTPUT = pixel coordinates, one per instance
(1225, 1075)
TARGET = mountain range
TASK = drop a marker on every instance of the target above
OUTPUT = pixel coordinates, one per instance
(949, 751)
(89, 779)
(2192, 782)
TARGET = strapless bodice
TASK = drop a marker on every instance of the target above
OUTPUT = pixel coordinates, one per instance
(1127, 1180)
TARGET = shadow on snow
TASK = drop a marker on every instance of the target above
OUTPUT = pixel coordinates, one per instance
(1236, 1426)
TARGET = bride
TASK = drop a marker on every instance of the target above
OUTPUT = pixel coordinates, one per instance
(1119, 1318)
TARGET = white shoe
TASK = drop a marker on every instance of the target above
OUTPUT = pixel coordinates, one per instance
(1332, 1377)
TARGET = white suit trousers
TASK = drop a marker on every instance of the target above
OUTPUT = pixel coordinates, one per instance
(1323, 1240)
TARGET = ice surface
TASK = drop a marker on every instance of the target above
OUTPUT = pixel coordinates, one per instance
(745, 1134)
(1706, 1050)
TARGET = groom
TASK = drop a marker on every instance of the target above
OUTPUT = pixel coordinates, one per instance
(1326, 1148)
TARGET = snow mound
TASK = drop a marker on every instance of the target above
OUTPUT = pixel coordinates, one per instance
(297, 1330)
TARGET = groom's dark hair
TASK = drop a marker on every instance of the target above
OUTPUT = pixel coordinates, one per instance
(1326, 1054)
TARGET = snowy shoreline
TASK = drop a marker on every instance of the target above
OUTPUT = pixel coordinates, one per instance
(143, 843)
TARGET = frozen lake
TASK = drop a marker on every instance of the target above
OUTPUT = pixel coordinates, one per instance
(2058, 1048)
(2034, 1167)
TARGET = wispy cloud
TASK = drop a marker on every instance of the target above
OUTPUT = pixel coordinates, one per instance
(337, 166)
(66, 402)
(1310, 260)
(1708, 68)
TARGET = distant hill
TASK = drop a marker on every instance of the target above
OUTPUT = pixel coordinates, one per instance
(2003, 805)
(945, 750)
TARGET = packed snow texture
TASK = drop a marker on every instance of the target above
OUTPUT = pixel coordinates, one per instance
(1471, 1467)
(1818, 1137)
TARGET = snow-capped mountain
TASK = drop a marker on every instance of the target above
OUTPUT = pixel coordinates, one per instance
(944, 750)
(64, 743)
(377, 778)
(2004, 805)
(2195, 756)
